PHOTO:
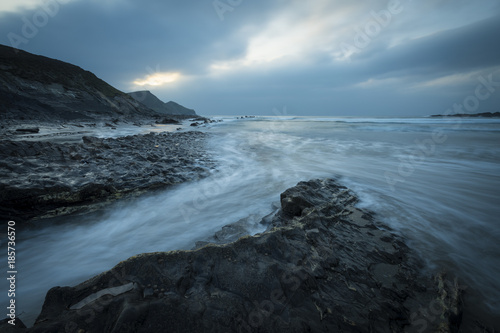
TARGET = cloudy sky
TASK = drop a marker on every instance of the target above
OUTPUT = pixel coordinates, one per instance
(262, 57)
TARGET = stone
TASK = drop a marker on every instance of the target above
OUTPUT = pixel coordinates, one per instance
(167, 121)
(95, 172)
(28, 130)
(321, 271)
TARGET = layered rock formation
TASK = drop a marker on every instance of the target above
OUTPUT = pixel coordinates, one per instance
(323, 266)
(45, 179)
(37, 88)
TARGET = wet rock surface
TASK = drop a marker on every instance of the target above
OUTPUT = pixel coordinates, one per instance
(322, 266)
(46, 179)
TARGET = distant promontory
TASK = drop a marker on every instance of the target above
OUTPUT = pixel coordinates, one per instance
(469, 115)
(151, 101)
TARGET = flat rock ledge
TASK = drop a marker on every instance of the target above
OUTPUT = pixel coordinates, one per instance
(43, 179)
(322, 266)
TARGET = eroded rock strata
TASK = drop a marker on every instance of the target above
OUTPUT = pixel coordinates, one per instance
(323, 266)
(45, 179)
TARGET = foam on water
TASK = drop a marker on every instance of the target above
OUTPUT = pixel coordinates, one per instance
(445, 203)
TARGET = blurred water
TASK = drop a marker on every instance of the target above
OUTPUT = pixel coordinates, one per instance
(436, 181)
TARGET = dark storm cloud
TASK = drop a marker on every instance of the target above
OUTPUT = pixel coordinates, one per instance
(467, 48)
(253, 56)
(124, 36)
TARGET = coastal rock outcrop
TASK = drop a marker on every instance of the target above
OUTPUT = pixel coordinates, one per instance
(46, 179)
(323, 265)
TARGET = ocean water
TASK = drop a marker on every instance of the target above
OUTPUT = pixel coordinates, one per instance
(434, 181)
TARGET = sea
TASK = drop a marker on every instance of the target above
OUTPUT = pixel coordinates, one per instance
(434, 181)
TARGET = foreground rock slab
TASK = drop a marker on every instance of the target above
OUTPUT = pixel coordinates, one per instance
(323, 266)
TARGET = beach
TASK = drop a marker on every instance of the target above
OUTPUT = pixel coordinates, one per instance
(445, 209)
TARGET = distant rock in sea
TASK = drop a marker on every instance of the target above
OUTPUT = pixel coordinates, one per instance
(470, 115)
(151, 101)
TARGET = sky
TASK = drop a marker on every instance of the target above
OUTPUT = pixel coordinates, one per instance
(275, 57)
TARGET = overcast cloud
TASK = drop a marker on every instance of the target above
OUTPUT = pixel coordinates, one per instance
(319, 57)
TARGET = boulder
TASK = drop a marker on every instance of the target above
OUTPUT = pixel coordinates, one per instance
(166, 121)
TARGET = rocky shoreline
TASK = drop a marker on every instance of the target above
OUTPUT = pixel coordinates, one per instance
(323, 265)
(46, 178)
(47, 106)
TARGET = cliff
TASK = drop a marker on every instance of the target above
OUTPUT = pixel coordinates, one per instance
(151, 101)
(37, 88)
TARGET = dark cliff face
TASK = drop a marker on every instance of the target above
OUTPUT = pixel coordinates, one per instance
(34, 87)
(151, 101)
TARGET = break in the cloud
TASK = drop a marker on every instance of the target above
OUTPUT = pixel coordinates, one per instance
(13, 6)
(158, 79)
(324, 57)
